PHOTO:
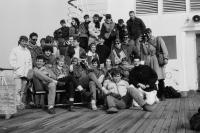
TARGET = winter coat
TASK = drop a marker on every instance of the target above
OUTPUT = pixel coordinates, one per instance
(107, 28)
(20, 61)
(135, 27)
(94, 32)
(62, 32)
(83, 29)
(151, 58)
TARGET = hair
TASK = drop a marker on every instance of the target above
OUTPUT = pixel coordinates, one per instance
(42, 39)
(120, 21)
(136, 57)
(148, 30)
(131, 12)
(86, 16)
(96, 16)
(62, 21)
(92, 44)
(115, 72)
(33, 34)
(74, 58)
(47, 48)
(125, 59)
(77, 21)
(24, 38)
(77, 39)
(48, 39)
(61, 57)
(96, 60)
(41, 57)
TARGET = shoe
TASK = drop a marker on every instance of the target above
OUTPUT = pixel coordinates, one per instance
(20, 107)
(51, 111)
(87, 94)
(147, 107)
(112, 110)
(93, 106)
(71, 109)
(60, 84)
(162, 98)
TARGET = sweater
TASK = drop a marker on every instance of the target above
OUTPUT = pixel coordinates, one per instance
(20, 61)
(103, 51)
(143, 74)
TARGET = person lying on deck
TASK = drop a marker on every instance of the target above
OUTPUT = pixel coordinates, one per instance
(120, 95)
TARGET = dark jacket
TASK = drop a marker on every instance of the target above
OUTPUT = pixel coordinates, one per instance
(121, 31)
(62, 32)
(135, 27)
(106, 29)
(145, 75)
(83, 29)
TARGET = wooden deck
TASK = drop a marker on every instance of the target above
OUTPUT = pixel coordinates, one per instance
(170, 116)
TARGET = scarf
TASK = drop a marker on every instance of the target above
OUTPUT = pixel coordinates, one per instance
(118, 51)
(31, 46)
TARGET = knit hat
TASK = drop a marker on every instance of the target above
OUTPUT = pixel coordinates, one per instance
(108, 16)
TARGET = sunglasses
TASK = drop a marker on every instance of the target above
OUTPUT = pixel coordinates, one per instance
(34, 39)
(108, 17)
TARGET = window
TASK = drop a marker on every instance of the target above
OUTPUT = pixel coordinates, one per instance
(174, 5)
(146, 6)
(170, 42)
(194, 5)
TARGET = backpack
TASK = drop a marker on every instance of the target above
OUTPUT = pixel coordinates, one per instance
(170, 92)
(195, 121)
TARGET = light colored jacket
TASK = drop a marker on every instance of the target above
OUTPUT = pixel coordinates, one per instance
(118, 88)
(20, 61)
(94, 32)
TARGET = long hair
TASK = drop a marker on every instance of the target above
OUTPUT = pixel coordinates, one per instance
(77, 21)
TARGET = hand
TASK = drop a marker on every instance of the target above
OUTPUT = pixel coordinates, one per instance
(142, 86)
(71, 68)
(147, 86)
(61, 76)
(166, 61)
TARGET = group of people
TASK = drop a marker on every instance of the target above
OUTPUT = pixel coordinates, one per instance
(94, 58)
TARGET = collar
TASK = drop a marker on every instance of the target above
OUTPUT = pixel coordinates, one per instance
(91, 54)
(22, 47)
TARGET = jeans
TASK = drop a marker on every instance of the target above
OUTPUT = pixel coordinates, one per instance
(21, 90)
(127, 100)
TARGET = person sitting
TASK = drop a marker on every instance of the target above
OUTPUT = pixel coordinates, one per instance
(119, 94)
(62, 73)
(62, 32)
(108, 65)
(125, 68)
(144, 78)
(86, 78)
(117, 53)
(101, 47)
(44, 78)
(91, 54)
(49, 57)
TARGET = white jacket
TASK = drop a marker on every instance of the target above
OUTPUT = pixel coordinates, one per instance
(20, 61)
(94, 32)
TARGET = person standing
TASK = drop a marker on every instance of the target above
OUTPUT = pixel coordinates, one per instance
(154, 46)
(20, 61)
(84, 33)
(135, 27)
(74, 29)
(34, 49)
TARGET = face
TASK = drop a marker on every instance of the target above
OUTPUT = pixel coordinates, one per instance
(23, 43)
(117, 78)
(75, 62)
(120, 24)
(73, 22)
(34, 39)
(42, 43)
(132, 15)
(63, 24)
(93, 49)
(95, 64)
(136, 62)
(150, 34)
(71, 39)
(108, 18)
(61, 62)
(40, 63)
(47, 53)
(75, 43)
(126, 39)
(124, 63)
(118, 45)
(108, 62)
(95, 19)
(86, 19)
(101, 40)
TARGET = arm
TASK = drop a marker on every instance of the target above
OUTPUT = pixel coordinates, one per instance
(13, 60)
(164, 48)
(42, 76)
(132, 79)
(153, 76)
(103, 29)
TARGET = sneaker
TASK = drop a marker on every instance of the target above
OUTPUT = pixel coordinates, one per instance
(147, 107)
(20, 107)
(93, 106)
(112, 110)
(51, 111)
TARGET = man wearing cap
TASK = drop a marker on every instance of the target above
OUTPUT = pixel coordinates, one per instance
(135, 27)
(20, 61)
(62, 32)
(84, 33)
(94, 29)
(108, 31)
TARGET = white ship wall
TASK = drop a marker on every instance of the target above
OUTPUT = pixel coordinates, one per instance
(181, 72)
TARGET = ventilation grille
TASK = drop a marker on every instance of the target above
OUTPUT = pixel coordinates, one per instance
(195, 5)
(146, 6)
(174, 5)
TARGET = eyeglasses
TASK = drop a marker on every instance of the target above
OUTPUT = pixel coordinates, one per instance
(34, 39)
(108, 17)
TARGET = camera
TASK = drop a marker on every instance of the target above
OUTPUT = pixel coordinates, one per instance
(144, 38)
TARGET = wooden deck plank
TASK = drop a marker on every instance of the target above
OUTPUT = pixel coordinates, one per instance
(174, 122)
(187, 116)
(181, 120)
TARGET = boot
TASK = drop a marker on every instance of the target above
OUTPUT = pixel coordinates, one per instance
(87, 94)
(147, 107)
(161, 86)
(71, 106)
